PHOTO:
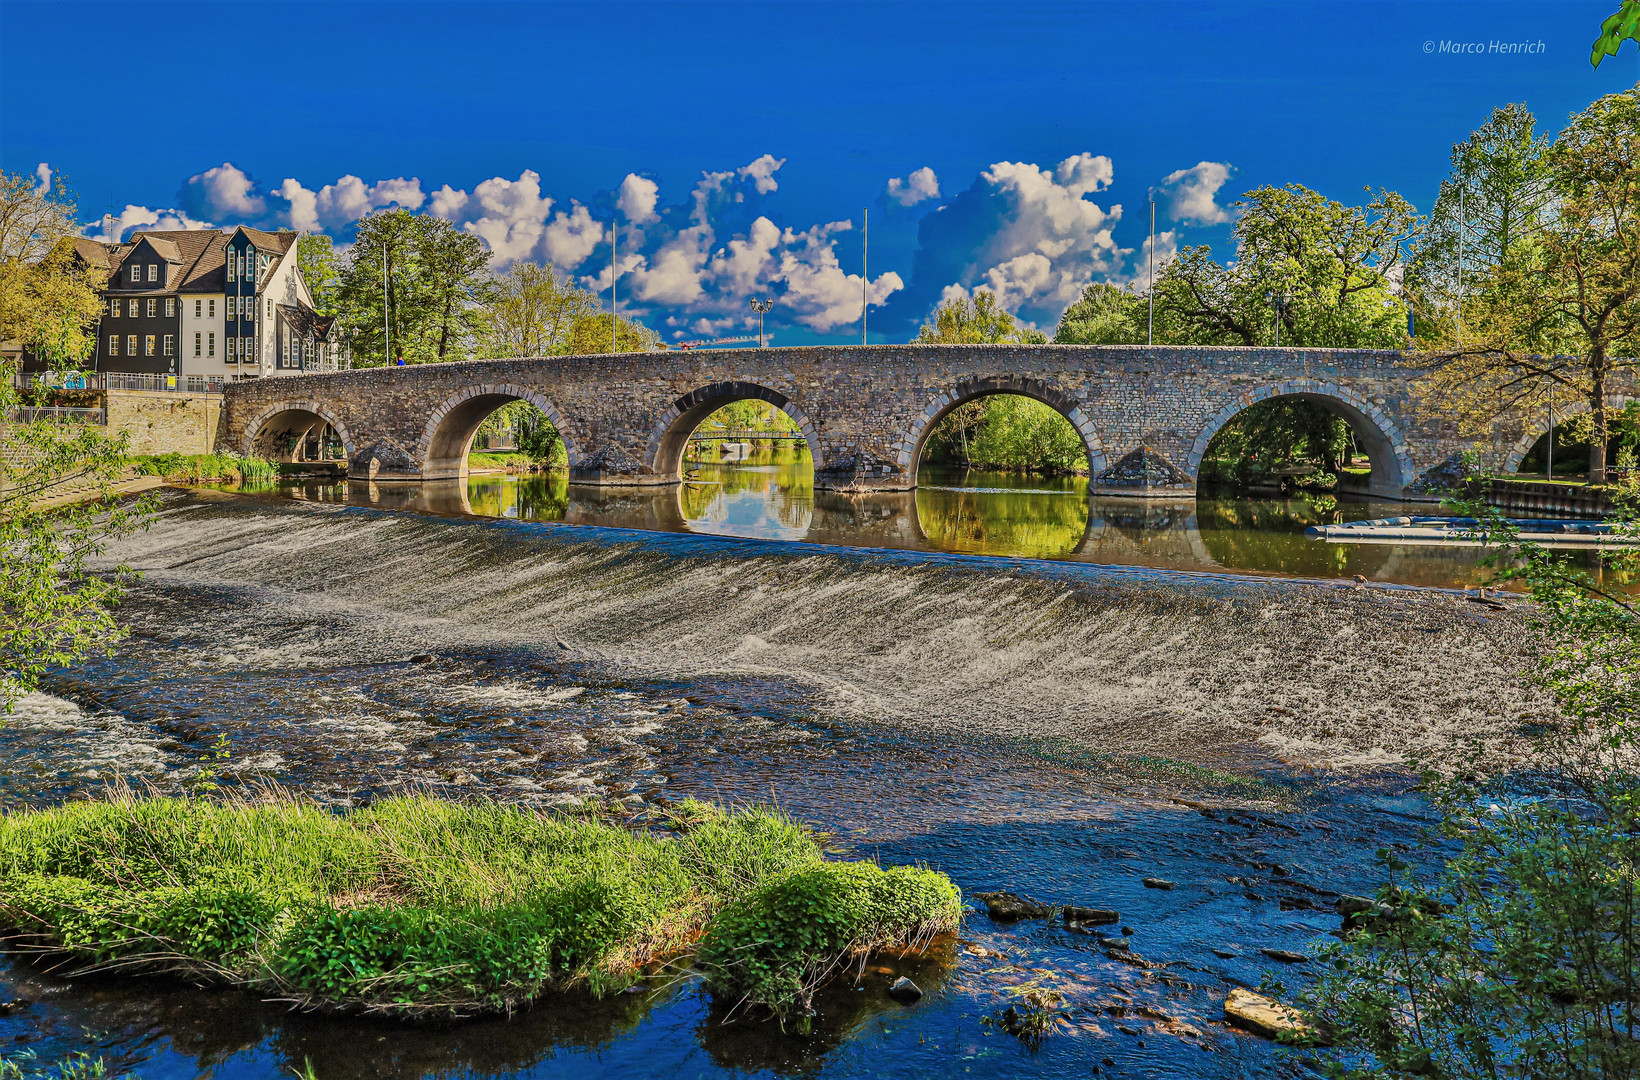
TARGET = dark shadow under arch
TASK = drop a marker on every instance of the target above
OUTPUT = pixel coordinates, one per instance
(1392, 468)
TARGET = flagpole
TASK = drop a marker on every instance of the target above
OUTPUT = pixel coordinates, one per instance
(865, 267)
(1150, 322)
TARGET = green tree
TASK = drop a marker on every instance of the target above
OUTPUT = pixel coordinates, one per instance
(972, 320)
(54, 609)
(590, 336)
(1622, 25)
(1103, 315)
(1327, 272)
(321, 269)
(1561, 317)
(49, 298)
(1489, 218)
(436, 279)
(532, 310)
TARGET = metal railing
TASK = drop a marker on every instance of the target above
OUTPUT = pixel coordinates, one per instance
(119, 380)
(57, 380)
(30, 414)
(742, 434)
(189, 384)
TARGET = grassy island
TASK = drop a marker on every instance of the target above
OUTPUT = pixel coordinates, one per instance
(418, 906)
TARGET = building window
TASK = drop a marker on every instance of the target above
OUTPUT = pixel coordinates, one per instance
(213, 308)
(153, 308)
(153, 271)
(130, 344)
(170, 307)
(250, 308)
(196, 343)
(148, 345)
(113, 344)
(132, 310)
(270, 307)
(136, 272)
(114, 308)
(230, 266)
(211, 344)
(197, 305)
(169, 345)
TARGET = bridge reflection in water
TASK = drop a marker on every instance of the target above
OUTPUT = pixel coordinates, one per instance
(971, 513)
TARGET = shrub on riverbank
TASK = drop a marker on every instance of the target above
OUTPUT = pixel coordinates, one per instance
(774, 946)
(421, 906)
(194, 467)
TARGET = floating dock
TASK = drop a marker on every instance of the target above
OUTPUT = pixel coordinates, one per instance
(1467, 532)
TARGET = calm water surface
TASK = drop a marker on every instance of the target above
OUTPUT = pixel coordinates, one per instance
(969, 512)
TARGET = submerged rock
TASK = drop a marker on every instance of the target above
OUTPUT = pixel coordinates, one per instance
(1091, 916)
(1010, 907)
(1262, 1016)
(903, 989)
(1158, 883)
(1286, 956)
(422, 658)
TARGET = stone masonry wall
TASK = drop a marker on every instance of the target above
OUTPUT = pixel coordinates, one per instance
(166, 423)
(866, 409)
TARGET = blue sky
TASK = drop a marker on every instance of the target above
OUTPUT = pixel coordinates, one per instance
(734, 145)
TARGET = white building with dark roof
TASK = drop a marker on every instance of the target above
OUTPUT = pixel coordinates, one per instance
(207, 302)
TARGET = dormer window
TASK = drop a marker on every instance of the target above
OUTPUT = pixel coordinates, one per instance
(136, 273)
(231, 261)
(153, 271)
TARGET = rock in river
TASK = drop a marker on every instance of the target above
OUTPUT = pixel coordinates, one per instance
(1286, 956)
(1008, 907)
(903, 989)
(1158, 883)
(1090, 915)
(1258, 1014)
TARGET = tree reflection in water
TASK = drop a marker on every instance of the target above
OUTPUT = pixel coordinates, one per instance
(993, 514)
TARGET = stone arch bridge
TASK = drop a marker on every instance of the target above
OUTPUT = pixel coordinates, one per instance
(1145, 414)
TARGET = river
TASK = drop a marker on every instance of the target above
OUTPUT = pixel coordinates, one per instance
(1030, 718)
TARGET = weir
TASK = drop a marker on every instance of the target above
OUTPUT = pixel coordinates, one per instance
(1145, 415)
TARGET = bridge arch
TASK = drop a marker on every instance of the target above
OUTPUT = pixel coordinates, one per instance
(442, 449)
(1534, 430)
(910, 450)
(670, 435)
(1386, 446)
(285, 416)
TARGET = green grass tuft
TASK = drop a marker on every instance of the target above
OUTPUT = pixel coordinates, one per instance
(423, 906)
(194, 467)
(775, 945)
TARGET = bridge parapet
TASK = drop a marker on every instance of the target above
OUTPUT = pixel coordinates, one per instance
(1145, 414)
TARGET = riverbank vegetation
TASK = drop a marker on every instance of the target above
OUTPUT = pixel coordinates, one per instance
(192, 468)
(1283, 443)
(418, 906)
(1517, 955)
(1007, 433)
(522, 426)
(53, 609)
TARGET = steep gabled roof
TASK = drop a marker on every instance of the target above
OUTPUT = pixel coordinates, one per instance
(202, 255)
(276, 242)
(95, 252)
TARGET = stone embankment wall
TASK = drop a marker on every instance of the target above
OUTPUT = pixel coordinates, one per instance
(1145, 414)
(166, 423)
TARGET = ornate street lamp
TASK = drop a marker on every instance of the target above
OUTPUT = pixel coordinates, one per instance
(761, 307)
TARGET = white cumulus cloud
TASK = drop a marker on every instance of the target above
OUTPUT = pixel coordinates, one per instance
(919, 185)
(1191, 194)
